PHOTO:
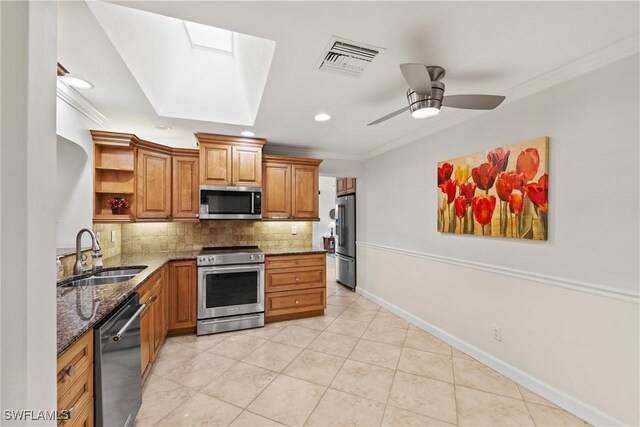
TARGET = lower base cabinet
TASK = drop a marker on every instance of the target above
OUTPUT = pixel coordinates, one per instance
(182, 299)
(75, 383)
(295, 286)
(154, 320)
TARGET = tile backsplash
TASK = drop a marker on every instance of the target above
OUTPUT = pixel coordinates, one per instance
(107, 247)
(168, 236)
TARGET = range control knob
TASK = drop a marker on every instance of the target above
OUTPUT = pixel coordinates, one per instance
(210, 259)
(201, 259)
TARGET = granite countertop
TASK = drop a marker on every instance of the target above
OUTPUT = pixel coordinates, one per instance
(81, 308)
(294, 251)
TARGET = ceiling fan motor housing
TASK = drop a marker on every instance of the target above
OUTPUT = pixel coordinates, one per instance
(433, 100)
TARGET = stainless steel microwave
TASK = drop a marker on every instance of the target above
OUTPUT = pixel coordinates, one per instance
(222, 202)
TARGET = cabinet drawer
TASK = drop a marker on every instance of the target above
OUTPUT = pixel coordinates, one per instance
(295, 278)
(84, 418)
(77, 397)
(279, 303)
(288, 261)
(73, 362)
(150, 287)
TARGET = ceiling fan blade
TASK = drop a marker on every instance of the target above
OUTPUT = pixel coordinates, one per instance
(417, 78)
(473, 102)
(388, 116)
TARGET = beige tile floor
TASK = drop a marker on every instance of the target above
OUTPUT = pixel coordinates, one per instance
(359, 365)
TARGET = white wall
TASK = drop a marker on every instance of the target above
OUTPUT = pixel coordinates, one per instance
(581, 342)
(27, 249)
(339, 168)
(74, 187)
(327, 201)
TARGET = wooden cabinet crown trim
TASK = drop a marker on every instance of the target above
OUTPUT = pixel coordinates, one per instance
(273, 158)
(228, 139)
(118, 138)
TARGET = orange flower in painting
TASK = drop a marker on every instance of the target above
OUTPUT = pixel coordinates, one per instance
(507, 182)
(449, 188)
(528, 162)
(516, 201)
(483, 207)
(537, 193)
(484, 175)
(460, 205)
(468, 190)
(444, 173)
(499, 159)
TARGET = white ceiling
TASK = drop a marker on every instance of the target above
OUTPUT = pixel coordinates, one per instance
(486, 47)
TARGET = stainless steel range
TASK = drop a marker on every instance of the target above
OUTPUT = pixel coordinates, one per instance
(230, 289)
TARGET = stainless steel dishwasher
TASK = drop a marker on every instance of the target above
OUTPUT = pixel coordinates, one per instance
(118, 387)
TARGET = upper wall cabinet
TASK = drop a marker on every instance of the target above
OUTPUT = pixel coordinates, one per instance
(345, 186)
(153, 176)
(185, 197)
(226, 160)
(290, 188)
(154, 182)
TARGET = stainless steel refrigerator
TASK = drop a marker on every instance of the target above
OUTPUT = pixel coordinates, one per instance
(346, 240)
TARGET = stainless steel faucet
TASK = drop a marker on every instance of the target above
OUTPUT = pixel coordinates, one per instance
(95, 246)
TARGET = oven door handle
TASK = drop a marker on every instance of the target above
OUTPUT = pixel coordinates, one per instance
(231, 269)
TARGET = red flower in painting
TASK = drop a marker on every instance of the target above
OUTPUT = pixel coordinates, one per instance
(468, 190)
(528, 162)
(516, 201)
(507, 182)
(499, 159)
(460, 206)
(484, 175)
(538, 192)
(449, 188)
(483, 207)
(444, 173)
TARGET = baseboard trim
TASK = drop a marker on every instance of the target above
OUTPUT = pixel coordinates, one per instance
(586, 412)
(576, 285)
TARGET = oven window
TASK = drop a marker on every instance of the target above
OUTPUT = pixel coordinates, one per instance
(226, 202)
(224, 289)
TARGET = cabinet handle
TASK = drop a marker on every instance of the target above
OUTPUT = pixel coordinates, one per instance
(71, 412)
(154, 298)
(69, 371)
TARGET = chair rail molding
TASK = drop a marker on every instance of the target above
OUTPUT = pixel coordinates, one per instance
(561, 282)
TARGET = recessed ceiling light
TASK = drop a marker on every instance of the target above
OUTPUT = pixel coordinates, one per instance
(76, 82)
(322, 117)
(247, 133)
(161, 126)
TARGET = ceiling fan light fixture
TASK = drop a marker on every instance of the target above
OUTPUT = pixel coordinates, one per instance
(425, 113)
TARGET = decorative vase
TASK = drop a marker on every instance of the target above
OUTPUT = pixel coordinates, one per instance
(117, 211)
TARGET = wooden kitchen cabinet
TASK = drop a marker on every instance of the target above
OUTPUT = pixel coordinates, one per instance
(290, 188)
(295, 286)
(345, 186)
(153, 189)
(185, 192)
(226, 160)
(154, 319)
(75, 382)
(182, 297)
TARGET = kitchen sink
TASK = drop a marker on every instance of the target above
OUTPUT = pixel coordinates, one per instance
(92, 281)
(121, 272)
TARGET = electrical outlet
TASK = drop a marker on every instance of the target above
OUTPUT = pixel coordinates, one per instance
(294, 229)
(497, 333)
(113, 235)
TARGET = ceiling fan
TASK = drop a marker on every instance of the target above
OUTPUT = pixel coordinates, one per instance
(426, 94)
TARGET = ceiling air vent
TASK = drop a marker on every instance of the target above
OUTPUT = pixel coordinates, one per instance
(346, 56)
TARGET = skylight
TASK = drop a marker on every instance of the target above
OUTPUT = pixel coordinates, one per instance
(189, 70)
(207, 37)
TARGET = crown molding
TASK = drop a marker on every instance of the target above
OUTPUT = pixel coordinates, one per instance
(74, 99)
(613, 52)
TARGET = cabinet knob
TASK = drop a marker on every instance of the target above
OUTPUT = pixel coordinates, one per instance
(297, 302)
(154, 298)
(69, 371)
(297, 279)
(71, 412)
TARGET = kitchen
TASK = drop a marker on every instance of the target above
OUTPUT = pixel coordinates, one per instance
(246, 230)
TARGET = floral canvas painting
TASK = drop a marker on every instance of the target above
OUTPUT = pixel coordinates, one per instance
(500, 193)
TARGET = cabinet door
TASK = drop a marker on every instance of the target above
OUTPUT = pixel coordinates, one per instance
(247, 166)
(185, 195)
(215, 164)
(165, 302)
(153, 185)
(146, 341)
(158, 307)
(340, 186)
(350, 185)
(304, 192)
(182, 296)
(276, 193)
